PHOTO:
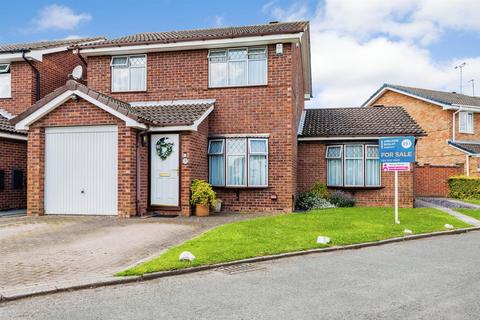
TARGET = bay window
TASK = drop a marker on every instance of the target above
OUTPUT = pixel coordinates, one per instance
(465, 122)
(238, 162)
(237, 67)
(5, 81)
(129, 73)
(353, 165)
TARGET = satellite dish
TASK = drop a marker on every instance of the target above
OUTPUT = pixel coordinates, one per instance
(77, 73)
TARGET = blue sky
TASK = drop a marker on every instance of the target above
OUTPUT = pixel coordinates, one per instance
(356, 45)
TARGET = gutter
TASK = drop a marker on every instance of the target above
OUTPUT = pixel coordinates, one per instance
(37, 75)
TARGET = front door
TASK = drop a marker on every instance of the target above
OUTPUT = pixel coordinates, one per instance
(164, 170)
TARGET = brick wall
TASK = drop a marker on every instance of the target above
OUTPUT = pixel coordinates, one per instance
(23, 89)
(312, 168)
(432, 181)
(76, 114)
(14, 157)
(240, 110)
(433, 148)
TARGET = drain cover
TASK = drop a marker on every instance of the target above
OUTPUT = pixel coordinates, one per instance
(240, 268)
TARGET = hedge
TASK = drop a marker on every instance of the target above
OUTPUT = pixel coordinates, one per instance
(464, 187)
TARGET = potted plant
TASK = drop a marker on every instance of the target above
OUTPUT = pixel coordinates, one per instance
(203, 197)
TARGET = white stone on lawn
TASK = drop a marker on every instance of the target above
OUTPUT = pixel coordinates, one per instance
(186, 256)
(323, 240)
(448, 226)
(408, 231)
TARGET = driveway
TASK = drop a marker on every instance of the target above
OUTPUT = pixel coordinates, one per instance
(435, 278)
(39, 253)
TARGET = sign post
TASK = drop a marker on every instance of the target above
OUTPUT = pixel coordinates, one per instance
(396, 153)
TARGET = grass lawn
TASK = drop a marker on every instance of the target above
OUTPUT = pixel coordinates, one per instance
(474, 201)
(293, 232)
(474, 213)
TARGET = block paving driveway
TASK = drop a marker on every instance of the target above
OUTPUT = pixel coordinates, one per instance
(39, 253)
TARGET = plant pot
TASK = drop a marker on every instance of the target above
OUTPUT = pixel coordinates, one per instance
(201, 210)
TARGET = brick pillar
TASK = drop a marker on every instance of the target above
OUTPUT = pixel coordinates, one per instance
(35, 172)
(127, 142)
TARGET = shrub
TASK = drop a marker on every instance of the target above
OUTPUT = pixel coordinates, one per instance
(202, 193)
(321, 190)
(464, 187)
(342, 199)
(309, 200)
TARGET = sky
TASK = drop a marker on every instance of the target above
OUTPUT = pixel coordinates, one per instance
(356, 46)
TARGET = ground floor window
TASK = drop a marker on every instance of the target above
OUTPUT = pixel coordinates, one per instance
(353, 165)
(238, 162)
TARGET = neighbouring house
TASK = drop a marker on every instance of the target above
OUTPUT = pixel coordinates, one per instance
(28, 71)
(448, 118)
(452, 144)
(339, 147)
(161, 109)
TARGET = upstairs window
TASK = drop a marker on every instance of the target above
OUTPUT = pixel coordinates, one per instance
(5, 81)
(129, 73)
(237, 67)
(465, 122)
(238, 162)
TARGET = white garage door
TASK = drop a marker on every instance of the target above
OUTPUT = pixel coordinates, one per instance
(81, 170)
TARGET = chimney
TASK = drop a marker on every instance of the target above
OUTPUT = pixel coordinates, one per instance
(273, 22)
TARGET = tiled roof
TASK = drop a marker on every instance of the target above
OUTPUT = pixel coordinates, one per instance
(42, 45)
(160, 113)
(374, 121)
(449, 98)
(203, 34)
(172, 113)
(5, 126)
(467, 146)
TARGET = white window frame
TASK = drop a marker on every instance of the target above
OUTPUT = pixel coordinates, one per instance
(249, 153)
(221, 153)
(466, 122)
(340, 157)
(127, 65)
(228, 68)
(6, 75)
(365, 166)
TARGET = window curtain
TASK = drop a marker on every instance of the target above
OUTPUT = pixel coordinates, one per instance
(120, 78)
(217, 169)
(137, 79)
(334, 172)
(354, 165)
(372, 166)
(258, 170)
(218, 74)
(5, 85)
(236, 170)
(257, 70)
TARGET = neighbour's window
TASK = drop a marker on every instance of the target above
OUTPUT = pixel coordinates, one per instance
(5, 81)
(129, 73)
(238, 162)
(353, 165)
(466, 122)
(237, 67)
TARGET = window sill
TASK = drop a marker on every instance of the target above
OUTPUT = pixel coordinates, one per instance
(5, 97)
(240, 187)
(240, 86)
(464, 132)
(138, 91)
(356, 188)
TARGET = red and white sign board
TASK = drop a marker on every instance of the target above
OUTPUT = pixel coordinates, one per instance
(398, 166)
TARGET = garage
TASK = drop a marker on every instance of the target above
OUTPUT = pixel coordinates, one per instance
(81, 170)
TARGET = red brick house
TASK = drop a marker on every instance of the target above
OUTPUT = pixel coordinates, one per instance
(28, 71)
(162, 109)
(339, 147)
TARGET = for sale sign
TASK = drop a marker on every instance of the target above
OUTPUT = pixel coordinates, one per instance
(397, 149)
(401, 166)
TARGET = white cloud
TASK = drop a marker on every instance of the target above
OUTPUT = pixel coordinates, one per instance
(359, 45)
(218, 21)
(59, 17)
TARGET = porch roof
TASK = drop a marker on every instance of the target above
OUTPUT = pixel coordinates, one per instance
(469, 147)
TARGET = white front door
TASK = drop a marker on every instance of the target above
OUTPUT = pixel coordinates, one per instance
(81, 170)
(164, 172)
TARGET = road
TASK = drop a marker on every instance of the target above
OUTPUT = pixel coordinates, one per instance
(437, 278)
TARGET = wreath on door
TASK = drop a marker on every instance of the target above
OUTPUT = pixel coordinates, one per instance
(164, 148)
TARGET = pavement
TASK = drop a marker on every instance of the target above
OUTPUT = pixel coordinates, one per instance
(44, 253)
(448, 206)
(434, 278)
